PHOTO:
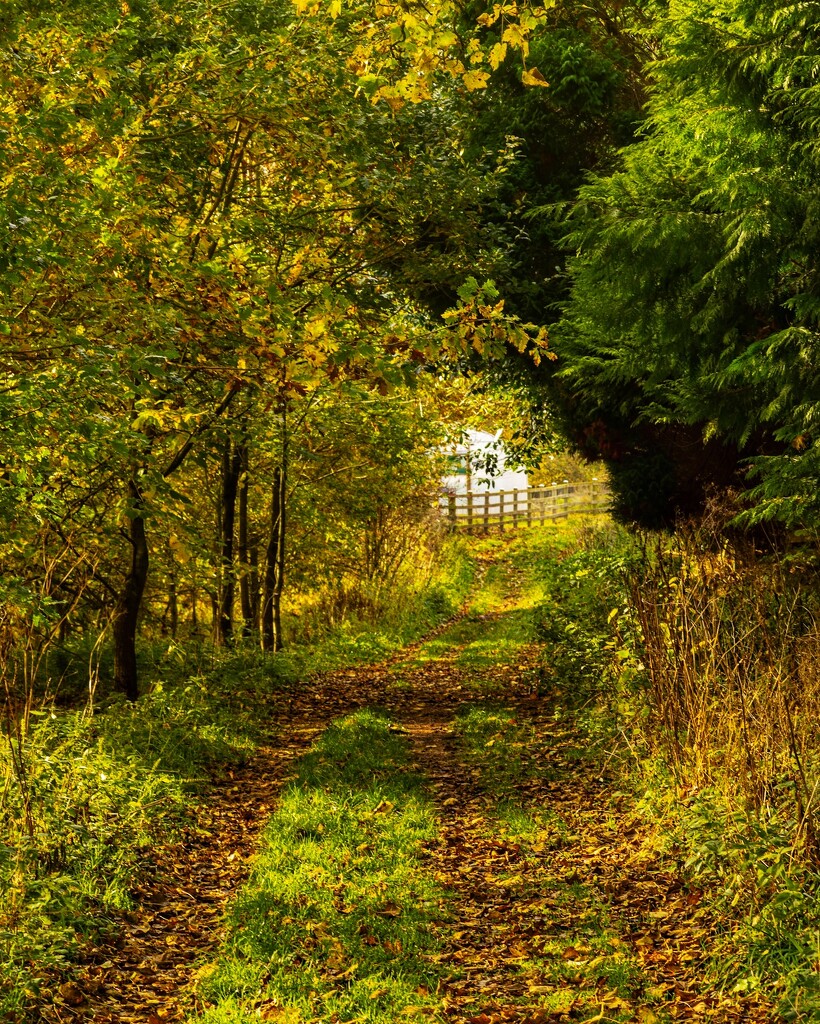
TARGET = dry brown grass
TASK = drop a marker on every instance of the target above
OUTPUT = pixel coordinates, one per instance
(731, 646)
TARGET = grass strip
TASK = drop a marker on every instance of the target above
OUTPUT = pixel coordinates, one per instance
(496, 746)
(337, 920)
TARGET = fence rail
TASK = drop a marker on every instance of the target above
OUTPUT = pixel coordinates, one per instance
(478, 512)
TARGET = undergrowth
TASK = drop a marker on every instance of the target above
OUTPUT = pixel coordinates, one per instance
(86, 796)
(85, 792)
(366, 623)
(694, 666)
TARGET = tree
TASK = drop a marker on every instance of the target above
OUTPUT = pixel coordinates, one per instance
(189, 234)
(687, 345)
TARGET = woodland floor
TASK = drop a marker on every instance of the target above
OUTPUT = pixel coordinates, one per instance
(560, 908)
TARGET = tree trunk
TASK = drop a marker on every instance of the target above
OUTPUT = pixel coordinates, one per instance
(126, 615)
(275, 566)
(255, 593)
(231, 468)
(170, 614)
(173, 606)
(249, 621)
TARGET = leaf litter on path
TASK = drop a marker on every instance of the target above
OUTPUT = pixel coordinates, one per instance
(559, 911)
(143, 971)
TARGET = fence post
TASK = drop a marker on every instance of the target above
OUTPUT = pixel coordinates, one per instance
(486, 511)
(451, 510)
(529, 506)
(501, 511)
(469, 512)
(515, 508)
(566, 499)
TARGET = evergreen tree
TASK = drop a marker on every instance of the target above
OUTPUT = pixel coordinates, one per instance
(688, 346)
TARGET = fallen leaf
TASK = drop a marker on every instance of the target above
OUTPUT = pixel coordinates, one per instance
(71, 992)
(389, 910)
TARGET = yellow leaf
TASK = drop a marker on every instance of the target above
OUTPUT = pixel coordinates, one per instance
(514, 36)
(533, 77)
(509, 882)
(476, 80)
(475, 52)
(335, 8)
(389, 95)
(497, 54)
(314, 328)
(444, 40)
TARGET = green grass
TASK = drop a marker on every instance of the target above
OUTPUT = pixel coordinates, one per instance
(338, 917)
(498, 619)
(100, 789)
(497, 746)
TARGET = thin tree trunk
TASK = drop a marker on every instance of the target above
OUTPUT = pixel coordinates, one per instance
(249, 622)
(126, 615)
(274, 580)
(275, 566)
(231, 468)
(256, 600)
(170, 614)
(173, 605)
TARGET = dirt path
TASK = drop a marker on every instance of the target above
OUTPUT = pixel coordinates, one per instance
(563, 910)
(144, 974)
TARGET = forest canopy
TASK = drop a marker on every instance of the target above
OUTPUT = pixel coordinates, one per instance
(210, 234)
(240, 240)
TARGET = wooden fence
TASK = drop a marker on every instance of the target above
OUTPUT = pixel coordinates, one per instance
(497, 510)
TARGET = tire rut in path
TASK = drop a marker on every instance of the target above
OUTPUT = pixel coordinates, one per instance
(480, 946)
